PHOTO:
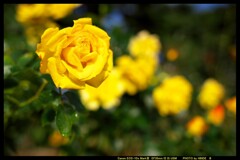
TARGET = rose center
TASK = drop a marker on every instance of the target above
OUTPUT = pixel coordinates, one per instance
(79, 52)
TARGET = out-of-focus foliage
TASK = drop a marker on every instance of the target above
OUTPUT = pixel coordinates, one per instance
(121, 116)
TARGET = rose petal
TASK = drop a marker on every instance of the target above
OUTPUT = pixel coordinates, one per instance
(59, 36)
(71, 58)
(93, 68)
(70, 39)
(89, 56)
(96, 81)
(74, 71)
(48, 33)
(97, 31)
(60, 67)
(83, 21)
(61, 80)
(43, 67)
(45, 55)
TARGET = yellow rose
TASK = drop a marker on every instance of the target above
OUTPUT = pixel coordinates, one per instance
(38, 17)
(34, 31)
(173, 95)
(75, 56)
(28, 13)
(197, 126)
(211, 94)
(57, 11)
(231, 104)
(216, 115)
(145, 44)
(107, 95)
(136, 73)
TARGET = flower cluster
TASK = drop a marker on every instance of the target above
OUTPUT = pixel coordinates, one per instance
(139, 67)
(80, 57)
(130, 75)
(199, 125)
(216, 115)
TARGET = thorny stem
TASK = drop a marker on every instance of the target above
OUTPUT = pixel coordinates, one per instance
(36, 95)
(21, 104)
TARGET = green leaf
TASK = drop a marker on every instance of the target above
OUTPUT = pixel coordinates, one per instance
(48, 116)
(25, 59)
(65, 118)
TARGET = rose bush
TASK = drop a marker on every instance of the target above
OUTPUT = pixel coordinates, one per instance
(75, 56)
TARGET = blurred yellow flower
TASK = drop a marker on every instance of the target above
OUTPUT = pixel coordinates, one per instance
(172, 54)
(173, 95)
(216, 115)
(136, 73)
(36, 18)
(28, 13)
(107, 95)
(197, 126)
(231, 104)
(57, 140)
(211, 94)
(33, 32)
(58, 11)
(144, 45)
(75, 56)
